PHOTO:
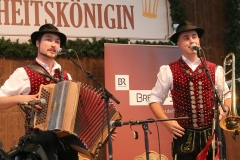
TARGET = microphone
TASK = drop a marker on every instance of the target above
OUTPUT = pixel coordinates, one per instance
(60, 51)
(194, 47)
(118, 123)
(40, 102)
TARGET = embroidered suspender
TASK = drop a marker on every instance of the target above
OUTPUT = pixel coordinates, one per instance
(43, 72)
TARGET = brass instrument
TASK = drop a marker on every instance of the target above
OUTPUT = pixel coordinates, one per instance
(231, 124)
(229, 62)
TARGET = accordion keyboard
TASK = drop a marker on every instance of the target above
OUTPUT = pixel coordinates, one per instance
(42, 114)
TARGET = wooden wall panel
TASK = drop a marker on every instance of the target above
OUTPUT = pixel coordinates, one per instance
(210, 15)
(12, 127)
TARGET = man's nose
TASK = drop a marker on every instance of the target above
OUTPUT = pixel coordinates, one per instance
(191, 39)
(54, 44)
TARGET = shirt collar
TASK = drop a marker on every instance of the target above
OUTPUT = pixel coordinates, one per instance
(45, 66)
(192, 65)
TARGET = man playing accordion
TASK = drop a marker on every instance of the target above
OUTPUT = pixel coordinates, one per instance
(23, 86)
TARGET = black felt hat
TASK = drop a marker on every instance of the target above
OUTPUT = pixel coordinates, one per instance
(183, 27)
(48, 28)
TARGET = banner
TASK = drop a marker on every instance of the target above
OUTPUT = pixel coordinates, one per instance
(130, 74)
(134, 19)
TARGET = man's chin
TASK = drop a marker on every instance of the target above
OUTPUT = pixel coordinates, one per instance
(193, 51)
(51, 56)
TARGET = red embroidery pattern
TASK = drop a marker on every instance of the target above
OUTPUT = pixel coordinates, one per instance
(192, 94)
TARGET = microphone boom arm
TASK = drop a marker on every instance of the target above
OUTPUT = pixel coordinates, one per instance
(106, 96)
(90, 76)
(118, 123)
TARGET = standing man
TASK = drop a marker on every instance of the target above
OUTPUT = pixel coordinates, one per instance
(192, 95)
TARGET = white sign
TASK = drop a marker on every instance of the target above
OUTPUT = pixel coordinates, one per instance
(133, 19)
(122, 82)
(141, 97)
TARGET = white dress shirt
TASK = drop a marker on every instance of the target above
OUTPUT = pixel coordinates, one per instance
(19, 82)
(165, 82)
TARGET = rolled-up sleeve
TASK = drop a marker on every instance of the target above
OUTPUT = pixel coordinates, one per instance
(18, 83)
(164, 83)
(220, 85)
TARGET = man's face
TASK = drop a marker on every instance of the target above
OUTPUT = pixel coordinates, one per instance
(185, 39)
(48, 45)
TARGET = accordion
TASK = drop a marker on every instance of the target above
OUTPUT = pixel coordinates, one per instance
(77, 113)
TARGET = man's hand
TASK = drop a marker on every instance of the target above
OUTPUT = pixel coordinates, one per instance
(28, 98)
(223, 114)
(114, 135)
(174, 128)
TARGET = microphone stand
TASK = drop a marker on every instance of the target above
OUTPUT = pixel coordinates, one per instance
(106, 97)
(216, 100)
(145, 128)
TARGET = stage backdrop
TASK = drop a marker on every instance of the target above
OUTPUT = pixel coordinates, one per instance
(130, 74)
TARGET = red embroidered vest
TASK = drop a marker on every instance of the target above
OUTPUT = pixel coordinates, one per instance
(37, 79)
(192, 94)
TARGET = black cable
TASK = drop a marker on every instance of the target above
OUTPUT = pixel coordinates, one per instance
(158, 133)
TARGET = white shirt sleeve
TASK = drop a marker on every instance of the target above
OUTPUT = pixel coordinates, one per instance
(164, 83)
(222, 88)
(69, 77)
(18, 83)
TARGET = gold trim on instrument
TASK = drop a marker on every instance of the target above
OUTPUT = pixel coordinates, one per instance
(231, 62)
(230, 123)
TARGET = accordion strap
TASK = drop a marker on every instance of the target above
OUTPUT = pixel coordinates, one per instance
(43, 72)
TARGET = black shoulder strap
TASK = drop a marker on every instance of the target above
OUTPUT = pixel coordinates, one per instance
(43, 72)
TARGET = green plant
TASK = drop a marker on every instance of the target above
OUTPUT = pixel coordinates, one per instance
(177, 11)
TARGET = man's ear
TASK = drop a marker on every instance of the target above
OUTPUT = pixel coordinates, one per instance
(37, 43)
(177, 44)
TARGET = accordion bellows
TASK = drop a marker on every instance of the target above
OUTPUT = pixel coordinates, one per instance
(77, 113)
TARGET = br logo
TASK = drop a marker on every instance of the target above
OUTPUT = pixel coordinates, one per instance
(122, 81)
(149, 8)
